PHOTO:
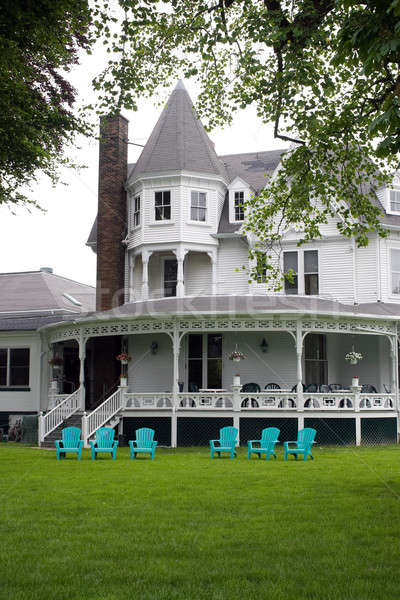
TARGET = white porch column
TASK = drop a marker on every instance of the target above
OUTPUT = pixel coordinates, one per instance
(131, 290)
(358, 430)
(176, 343)
(299, 354)
(145, 274)
(393, 357)
(180, 254)
(300, 422)
(82, 356)
(214, 276)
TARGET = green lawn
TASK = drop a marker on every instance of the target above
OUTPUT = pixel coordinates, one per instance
(185, 526)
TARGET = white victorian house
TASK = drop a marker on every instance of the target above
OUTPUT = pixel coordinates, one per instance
(172, 294)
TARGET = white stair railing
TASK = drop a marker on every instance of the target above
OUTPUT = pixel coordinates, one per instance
(101, 415)
(61, 412)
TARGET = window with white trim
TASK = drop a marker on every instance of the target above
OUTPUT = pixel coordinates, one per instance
(136, 211)
(238, 207)
(394, 198)
(162, 205)
(311, 272)
(395, 267)
(290, 266)
(14, 367)
(261, 268)
(198, 206)
(304, 272)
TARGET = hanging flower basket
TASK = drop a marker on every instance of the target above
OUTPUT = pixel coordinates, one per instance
(236, 356)
(56, 361)
(124, 358)
(353, 357)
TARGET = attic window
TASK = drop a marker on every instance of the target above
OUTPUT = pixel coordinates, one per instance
(395, 200)
(72, 299)
(238, 206)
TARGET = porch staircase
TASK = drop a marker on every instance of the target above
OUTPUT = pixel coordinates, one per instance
(74, 420)
(107, 414)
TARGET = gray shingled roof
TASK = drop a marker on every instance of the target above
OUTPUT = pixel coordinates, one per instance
(252, 166)
(179, 142)
(245, 305)
(40, 293)
(225, 226)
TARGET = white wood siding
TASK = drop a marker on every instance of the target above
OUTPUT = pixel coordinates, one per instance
(197, 274)
(232, 255)
(367, 272)
(149, 372)
(336, 270)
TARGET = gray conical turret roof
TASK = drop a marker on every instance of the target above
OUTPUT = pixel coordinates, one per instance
(178, 141)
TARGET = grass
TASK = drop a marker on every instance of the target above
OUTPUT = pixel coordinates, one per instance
(188, 527)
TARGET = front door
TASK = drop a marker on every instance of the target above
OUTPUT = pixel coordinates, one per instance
(315, 359)
(204, 361)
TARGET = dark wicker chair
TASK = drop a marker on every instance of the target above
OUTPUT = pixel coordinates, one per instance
(193, 387)
(294, 388)
(367, 388)
(324, 388)
(272, 386)
(312, 388)
(334, 387)
(251, 388)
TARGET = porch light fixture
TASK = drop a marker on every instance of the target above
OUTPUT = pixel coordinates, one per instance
(154, 347)
(264, 345)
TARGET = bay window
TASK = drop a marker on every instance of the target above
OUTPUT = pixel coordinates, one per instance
(162, 205)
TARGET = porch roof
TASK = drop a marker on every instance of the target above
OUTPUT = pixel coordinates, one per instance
(243, 305)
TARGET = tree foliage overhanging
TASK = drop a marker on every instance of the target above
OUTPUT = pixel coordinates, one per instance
(324, 72)
(39, 43)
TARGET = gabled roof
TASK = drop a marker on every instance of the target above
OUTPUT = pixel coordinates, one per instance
(252, 166)
(35, 294)
(179, 142)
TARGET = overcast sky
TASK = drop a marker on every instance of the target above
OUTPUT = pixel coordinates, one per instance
(57, 237)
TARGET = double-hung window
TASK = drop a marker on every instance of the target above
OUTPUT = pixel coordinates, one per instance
(14, 367)
(395, 200)
(238, 206)
(136, 211)
(303, 269)
(395, 266)
(290, 269)
(311, 272)
(162, 205)
(261, 268)
(198, 206)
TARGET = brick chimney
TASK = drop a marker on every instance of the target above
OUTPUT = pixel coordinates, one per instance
(111, 216)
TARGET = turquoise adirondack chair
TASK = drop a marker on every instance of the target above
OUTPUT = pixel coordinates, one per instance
(226, 442)
(304, 442)
(71, 442)
(104, 442)
(144, 442)
(269, 437)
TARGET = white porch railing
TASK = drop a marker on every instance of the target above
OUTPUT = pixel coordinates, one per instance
(66, 407)
(101, 415)
(267, 400)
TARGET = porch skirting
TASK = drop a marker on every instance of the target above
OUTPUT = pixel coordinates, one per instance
(197, 430)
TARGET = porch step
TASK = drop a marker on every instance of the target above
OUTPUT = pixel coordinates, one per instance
(113, 422)
(74, 420)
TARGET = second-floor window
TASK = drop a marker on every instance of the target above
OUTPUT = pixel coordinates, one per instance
(395, 265)
(395, 200)
(162, 205)
(198, 206)
(311, 272)
(290, 267)
(303, 267)
(14, 367)
(136, 211)
(238, 206)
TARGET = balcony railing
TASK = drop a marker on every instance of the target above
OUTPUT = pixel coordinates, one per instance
(274, 400)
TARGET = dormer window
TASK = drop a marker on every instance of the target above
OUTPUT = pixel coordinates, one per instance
(162, 205)
(394, 198)
(238, 206)
(198, 206)
(136, 211)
